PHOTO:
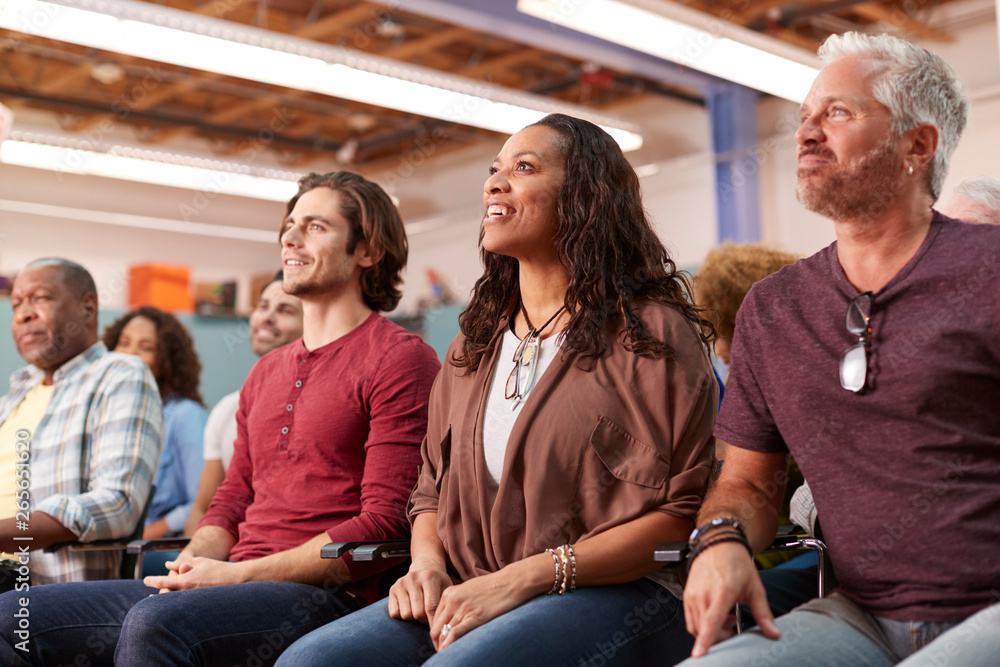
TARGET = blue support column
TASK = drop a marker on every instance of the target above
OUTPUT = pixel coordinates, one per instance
(733, 112)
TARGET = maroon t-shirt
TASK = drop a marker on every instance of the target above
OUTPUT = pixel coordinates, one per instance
(328, 440)
(906, 476)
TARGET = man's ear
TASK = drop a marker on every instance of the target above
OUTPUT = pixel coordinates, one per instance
(923, 145)
(364, 256)
(88, 308)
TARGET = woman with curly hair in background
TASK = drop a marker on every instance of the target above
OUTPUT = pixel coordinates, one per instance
(726, 276)
(165, 345)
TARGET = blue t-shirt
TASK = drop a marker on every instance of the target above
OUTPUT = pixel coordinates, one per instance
(180, 463)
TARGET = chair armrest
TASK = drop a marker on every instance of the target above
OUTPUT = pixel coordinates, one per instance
(387, 549)
(159, 544)
(98, 545)
(788, 537)
(367, 550)
(672, 553)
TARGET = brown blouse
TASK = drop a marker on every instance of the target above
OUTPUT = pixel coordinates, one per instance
(591, 449)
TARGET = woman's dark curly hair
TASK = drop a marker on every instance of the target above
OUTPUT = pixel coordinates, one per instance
(178, 371)
(606, 242)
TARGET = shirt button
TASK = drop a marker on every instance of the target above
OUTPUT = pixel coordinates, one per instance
(284, 431)
(289, 407)
(298, 383)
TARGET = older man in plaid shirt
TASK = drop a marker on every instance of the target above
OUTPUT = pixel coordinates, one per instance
(80, 431)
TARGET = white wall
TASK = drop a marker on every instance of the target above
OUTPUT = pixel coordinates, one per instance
(107, 250)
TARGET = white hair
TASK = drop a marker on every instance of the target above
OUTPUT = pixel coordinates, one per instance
(983, 190)
(917, 87)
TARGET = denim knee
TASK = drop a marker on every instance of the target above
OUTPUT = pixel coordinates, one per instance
(147, 627)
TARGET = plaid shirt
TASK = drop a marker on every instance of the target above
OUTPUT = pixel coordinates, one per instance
(93, 455)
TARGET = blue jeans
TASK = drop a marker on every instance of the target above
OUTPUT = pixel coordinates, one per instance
(638, 623)
(128, 624)
(788, 587)
(834, 632)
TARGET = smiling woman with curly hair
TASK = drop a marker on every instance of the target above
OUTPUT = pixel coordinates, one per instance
(165, 345)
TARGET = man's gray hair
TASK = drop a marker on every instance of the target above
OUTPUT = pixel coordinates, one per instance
(983, 190)
(917, 87)
(75, 277)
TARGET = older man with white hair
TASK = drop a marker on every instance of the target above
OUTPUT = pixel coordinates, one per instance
(975, 200)
(876, 363)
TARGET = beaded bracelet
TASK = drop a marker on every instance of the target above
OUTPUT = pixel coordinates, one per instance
(719, 532)
(719, 522)
(568, 556)
(702, 546)
(572, 562)
(555, 559)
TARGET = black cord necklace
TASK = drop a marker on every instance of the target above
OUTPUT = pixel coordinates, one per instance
(525, 355)
(532, 331)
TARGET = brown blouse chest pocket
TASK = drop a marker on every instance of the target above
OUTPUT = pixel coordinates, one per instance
(627, 458)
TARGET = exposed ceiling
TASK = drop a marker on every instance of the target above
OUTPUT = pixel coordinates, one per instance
(161, 103)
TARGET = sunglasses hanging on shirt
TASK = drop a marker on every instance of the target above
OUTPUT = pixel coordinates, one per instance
(854, 361)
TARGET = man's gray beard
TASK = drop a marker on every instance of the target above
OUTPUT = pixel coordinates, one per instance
(860, 192)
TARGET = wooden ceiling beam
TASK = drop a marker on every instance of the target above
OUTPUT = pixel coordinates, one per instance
(308, 126)
(756, 10)
(219, 8)
(500, 62)
(220, 117)
(73, 73)
(792, 37)
(334, 23)
(234, 111)
(423, 44)
(153, 97)
(899, 18)
(163, 92)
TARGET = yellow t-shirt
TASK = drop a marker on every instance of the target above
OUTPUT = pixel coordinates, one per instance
(25, 418)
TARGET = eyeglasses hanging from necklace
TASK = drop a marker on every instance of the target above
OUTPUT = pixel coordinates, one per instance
(526, 355)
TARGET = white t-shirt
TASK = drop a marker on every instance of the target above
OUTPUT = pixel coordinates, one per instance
(502, 412)
(220, 430)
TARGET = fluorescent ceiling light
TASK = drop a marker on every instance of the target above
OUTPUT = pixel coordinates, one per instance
(62, 154)
(147, 30)
(690, 38)
(139, 221)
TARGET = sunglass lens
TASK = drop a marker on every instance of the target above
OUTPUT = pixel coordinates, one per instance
(854, 367)
(858, 313)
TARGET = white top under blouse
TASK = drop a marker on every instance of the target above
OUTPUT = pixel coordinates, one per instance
(501, 412)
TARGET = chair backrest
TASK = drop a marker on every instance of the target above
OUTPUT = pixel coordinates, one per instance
(126, 568)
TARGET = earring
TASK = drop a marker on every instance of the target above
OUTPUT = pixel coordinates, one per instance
(910, 171)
